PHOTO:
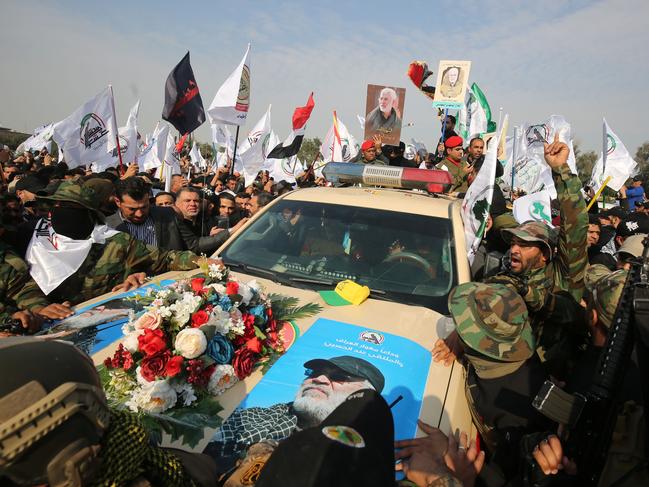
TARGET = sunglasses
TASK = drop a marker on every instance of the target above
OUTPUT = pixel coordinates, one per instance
(335, 375)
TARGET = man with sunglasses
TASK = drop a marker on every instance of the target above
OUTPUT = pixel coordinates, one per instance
(327, 384)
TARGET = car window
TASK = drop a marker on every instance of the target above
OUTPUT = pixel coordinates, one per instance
(402, 257)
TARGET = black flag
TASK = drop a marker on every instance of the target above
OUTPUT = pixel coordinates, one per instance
(183, 105)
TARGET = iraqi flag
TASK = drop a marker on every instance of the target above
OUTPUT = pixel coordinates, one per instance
(292, 144)
(183, 105)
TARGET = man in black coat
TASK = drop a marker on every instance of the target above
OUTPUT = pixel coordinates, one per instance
(153, 225)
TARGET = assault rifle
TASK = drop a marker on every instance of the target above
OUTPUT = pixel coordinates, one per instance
(590, 417)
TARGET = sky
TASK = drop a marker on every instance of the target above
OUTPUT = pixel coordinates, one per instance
(580, 59)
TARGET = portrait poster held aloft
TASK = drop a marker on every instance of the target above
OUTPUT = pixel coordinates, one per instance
(452, 83)
(384, 113)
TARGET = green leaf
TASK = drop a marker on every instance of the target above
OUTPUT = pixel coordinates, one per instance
(259, 334)
(299, 312)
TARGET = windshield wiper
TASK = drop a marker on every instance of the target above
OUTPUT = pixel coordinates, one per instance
(260, 272)
(311, 280)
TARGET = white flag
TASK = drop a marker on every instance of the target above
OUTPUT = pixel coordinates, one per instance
(339, 145)
(232, 100)
(535, 206)
(127, 144)
(477, 202)
(255, 148)
(42, 138)
(620, 166)
(361, 120)
(154, 153)
(172, 158)
(196, 157)
(84, 135)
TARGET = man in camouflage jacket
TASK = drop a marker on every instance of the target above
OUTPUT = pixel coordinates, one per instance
(109, 264)
(20, 296)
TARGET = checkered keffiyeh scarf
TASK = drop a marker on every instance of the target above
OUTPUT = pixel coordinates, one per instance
(245, 427)
(126, 455)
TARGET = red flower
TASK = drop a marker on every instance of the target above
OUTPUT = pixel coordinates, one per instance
(152, 342)
(154, 366)
(273, 339)
(248, 319)
(243, 362)
(232, 288)
(122, 359)
(197, 374)
(254, 344)
(174, 366)
(198, 284)
(200, 318)
(271, 325)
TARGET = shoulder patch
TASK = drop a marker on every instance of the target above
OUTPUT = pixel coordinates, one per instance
(345, 435)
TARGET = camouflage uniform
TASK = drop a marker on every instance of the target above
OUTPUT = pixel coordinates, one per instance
(503, 374)
(458, 173)
(566, 271)
(17, 289)
(605, 288)
(108, 264)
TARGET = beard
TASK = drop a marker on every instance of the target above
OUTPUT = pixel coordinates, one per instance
(311, 410)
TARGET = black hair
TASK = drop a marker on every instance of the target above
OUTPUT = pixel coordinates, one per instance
(243, 195)
(473, 139)
(226, 196)
(593, 220)
(166, 193)
(264, 198)
(452, 118)
(189, 189)
(133, 187)
(77, 171)
(108, 175)
(232, 177)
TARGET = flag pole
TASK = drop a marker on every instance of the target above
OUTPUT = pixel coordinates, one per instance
(234, 151)
(514, 147)
(119, 149)
(500, 116)
(599, 191)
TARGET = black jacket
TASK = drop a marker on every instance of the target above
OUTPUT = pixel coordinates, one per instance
(197, 236)
(167, 228)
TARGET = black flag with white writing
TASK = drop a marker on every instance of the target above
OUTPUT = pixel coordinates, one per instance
(183, 105)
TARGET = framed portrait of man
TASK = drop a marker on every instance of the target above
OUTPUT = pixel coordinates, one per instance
(452, 82)
(384, 113)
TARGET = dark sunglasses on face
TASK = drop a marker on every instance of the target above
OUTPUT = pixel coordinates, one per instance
(335, 375)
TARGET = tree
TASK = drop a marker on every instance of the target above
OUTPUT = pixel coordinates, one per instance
(585, 162)
(642, 158)
(309, 150)
(206, 151)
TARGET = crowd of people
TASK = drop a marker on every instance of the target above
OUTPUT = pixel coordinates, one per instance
(540, 308)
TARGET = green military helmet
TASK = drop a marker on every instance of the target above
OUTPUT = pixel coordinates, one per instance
(605, 288)
(72, 192)
(492, 320)
(535, 232)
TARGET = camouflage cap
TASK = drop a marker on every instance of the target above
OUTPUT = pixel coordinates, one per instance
(605, 289)
(533, 231)
(492, 319)
(74, 193)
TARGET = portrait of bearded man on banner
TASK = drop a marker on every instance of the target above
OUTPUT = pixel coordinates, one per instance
(384, 113)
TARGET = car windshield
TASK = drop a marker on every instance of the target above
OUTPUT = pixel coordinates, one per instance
(401, 257)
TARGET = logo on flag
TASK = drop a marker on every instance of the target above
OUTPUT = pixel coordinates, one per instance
(610, 144)
(537, 134)
(243, 97)
(123, 145)
(92, 130)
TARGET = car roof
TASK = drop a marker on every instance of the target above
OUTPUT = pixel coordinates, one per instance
(399, 200)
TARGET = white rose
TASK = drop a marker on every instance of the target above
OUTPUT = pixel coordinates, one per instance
(220, 320)
(148, 321)
(255, 286)
(190, 342)
(246, 293)
(219, 288)
(157, 397)
(130, 340)
(221, 379)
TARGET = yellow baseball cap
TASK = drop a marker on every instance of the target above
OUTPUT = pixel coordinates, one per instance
(346, 292)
